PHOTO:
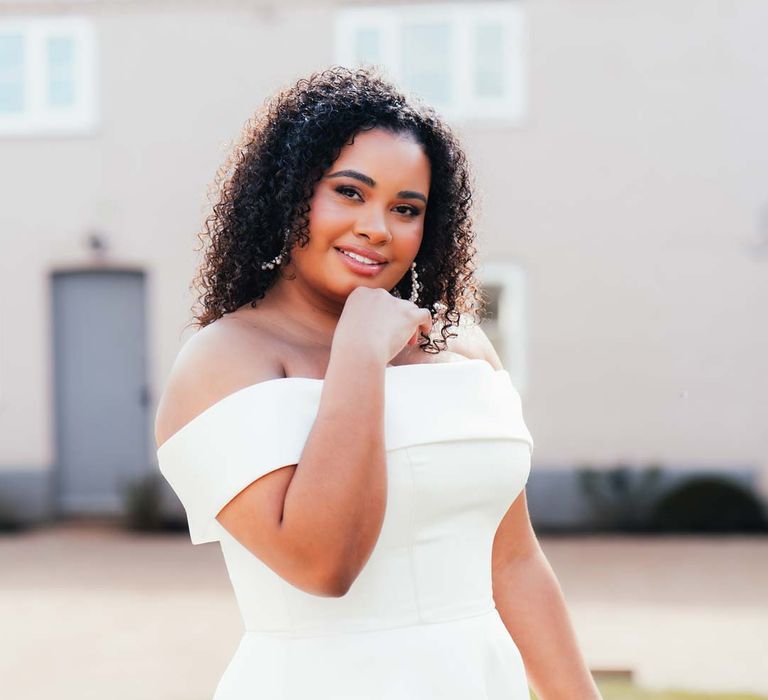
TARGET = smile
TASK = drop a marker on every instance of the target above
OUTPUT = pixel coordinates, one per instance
(360, 264)
(359, 258)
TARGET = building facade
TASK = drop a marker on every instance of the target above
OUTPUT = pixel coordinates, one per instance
(620, 159)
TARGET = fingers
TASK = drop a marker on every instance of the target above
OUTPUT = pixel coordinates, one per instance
(426, 323)
(424, 318)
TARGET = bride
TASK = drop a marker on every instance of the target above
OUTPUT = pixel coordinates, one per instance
(342, 426)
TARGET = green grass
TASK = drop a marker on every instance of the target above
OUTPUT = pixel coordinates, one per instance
(626, 691)
(615, 690)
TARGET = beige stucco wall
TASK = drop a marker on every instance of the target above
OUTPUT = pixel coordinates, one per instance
(630, 196)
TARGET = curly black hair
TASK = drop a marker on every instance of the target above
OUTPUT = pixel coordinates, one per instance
(264, 187)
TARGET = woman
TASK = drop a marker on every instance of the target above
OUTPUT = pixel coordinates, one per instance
(350, 440)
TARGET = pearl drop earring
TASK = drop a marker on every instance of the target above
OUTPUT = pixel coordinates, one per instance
(277, 260)
(414, 283)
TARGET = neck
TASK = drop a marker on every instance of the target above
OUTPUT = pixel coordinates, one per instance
(298, 308)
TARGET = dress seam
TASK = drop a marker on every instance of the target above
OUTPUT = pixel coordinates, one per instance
(421, 623)
(411, 564)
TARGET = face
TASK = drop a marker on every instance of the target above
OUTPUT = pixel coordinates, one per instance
(371, 201)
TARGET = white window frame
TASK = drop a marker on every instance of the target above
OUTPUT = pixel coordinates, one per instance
(512, 321)
(389, 21)
(37, 119)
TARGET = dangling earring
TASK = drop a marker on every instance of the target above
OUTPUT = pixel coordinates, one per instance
(414, 283)
(277, 260)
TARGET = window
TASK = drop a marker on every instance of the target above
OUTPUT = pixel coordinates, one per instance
(464, 59)
(46, 76)
(503, 285)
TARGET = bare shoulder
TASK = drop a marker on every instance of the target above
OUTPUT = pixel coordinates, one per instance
(472, 342)
(219, 359)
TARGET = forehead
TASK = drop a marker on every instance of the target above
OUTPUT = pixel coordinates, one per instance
(386, 157)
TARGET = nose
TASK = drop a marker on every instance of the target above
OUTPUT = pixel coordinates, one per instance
(373, 227)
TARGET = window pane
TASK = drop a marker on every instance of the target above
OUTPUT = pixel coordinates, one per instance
(61, 71)
(489, 60)
(427, 61)
(367, 45)
(11, 73)
(491, 294)
(490, 323)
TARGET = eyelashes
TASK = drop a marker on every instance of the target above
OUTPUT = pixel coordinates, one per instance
(411, 211)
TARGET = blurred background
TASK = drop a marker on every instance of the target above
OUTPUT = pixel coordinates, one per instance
(622, 214)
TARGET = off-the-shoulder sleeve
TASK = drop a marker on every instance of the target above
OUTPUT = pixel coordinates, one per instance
(235, 441)
(265, 426)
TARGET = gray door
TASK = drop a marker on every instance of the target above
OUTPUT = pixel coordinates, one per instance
(101, 397)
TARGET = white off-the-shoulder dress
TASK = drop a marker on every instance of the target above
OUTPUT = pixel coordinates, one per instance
(420, 621)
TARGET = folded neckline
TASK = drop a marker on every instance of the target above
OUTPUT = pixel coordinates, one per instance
(273, 381)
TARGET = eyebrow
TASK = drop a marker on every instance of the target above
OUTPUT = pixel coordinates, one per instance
(405, 194)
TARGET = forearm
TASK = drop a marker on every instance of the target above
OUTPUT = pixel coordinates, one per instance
(531, 604)
(335, 503)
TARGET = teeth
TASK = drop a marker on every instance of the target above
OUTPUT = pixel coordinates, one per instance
(360, 258)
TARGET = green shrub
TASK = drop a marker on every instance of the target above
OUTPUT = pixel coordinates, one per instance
(142, 503)
(622, 496)
(709, 504)
(9, 518)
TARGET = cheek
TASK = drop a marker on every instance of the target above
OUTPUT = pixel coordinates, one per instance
(408, 240)
(326, 215)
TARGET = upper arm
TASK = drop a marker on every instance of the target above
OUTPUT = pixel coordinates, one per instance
(515, 538)
(219, 360)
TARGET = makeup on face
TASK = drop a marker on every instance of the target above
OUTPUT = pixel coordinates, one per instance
(369, 212)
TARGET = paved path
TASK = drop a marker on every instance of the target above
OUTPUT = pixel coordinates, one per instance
(90, 612)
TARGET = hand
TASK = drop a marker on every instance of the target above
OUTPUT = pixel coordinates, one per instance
(382, 323)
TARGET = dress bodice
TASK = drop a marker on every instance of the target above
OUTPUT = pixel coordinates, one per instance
(458, 454)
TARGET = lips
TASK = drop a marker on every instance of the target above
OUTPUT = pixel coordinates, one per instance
(360, 268)
(370, 254)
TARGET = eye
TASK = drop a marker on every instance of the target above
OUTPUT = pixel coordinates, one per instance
(409, 211)
(341, 190)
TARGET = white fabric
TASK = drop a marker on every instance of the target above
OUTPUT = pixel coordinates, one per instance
(419, 621)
